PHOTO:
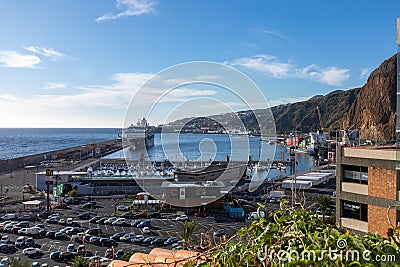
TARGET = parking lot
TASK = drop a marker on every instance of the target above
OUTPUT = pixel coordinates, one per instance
(166, 226)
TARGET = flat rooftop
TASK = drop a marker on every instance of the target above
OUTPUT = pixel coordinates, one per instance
(371, 152)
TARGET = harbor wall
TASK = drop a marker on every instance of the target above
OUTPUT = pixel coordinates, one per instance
(76, 153)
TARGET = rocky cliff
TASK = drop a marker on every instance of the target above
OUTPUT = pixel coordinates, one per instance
(303, 116)
(374, 109)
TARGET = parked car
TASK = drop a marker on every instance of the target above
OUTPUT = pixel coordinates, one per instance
(182, 217)
(117, 236)
(135, 223)
(52, 220)
(158, 241)
(68, 256)
(101, 220)
(15, 229)
(31, 252)
(55, 255)
(119, 221)
(219, 233)
(61, 236)
(107, 242)
(140, 215)
(93, 231)
(40, 225)
(94, 219)
(62, 221)
(94, 240)
(256, 215)
(148, 240)
(201, 214)
(119, 254)
(30, 242)
(123, 208)
(127, 215)
(23, 224)
(51, 234)
(71, 248)
(89, 205)
(8, 216)
(5, 239)
(84, 216)
(154, 215)
(26, 217)
(145, 223)
(81, 249)
(127, 236)
(146, 230)
(111, 220)
(20, 242)
(70, 221)
(171, 241)
(7, 248)
(137, 239)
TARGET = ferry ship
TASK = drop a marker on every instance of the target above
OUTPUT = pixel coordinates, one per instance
(139, 136)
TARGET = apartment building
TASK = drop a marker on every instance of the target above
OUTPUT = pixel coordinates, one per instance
(367, 185)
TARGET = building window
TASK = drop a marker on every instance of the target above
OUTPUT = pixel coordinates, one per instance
(355, 174)
(201, 192)
(174, 193)
(355, 210)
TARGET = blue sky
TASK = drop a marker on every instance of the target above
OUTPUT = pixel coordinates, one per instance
(78, 63)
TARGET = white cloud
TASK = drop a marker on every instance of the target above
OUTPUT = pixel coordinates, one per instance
(330, 75)
(264, 63)
(50, 86)
(364, 72)
(267, 32)
(269, 64)
(47, 52)
(130, 8)
(13, 59)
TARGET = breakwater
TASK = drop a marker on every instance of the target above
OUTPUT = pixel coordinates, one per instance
(77, 153)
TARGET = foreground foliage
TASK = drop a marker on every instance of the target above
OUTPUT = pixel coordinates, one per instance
(297, 238)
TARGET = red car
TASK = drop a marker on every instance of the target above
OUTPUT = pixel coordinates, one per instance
(201, 214)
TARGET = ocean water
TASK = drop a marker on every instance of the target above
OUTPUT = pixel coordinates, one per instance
(203, 147)
(17, 142)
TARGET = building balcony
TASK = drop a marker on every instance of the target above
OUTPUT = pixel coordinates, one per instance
(361, 189)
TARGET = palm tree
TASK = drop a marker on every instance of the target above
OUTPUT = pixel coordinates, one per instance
(187, 230)
(323, 202)
(79, 262)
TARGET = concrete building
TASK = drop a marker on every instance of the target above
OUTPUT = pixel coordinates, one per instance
(367, 185)
(193, 194)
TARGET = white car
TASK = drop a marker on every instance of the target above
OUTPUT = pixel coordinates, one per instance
(182, 217)
(122, 208)
(105, 261)
(110, 220)
(146, 230)
(119, 221)
(31, 251)
(256, 216)
(70, 221)
(9, 216)
(5, 239)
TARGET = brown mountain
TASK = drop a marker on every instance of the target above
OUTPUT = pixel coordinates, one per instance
(371, 109)
(303, 116)
(374, 110)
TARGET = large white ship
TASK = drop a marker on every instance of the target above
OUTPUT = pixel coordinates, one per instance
(138, 136)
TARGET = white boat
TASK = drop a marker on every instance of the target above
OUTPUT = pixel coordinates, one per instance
(139, 136)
